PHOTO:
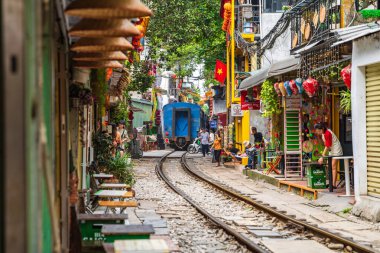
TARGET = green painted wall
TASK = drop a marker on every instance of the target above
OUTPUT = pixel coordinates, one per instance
(140, 117)
(48, 99)
(31, 54)
(38, 59)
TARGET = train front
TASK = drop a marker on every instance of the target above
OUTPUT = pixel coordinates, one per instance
(182, 122)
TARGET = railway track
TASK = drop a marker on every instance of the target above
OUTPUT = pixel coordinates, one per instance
(268, 214)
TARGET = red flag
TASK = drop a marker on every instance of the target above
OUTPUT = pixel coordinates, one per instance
(220, 71)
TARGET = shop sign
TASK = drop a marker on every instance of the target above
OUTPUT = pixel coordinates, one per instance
(251, 106)
(213, 124)
(236, 110)
(249, 103)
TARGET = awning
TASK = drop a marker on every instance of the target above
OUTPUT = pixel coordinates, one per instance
(284, 66)
(259, 76)
(355, 32)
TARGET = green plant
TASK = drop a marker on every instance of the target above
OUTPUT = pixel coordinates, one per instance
(99, 87)
(347, 210)
(141, 79)
(121, 167)
(120, 112)
(345, 101)
(102, 143)
(370, 14)
(270, 99)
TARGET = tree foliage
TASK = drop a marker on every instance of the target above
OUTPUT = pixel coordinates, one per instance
(184, 33)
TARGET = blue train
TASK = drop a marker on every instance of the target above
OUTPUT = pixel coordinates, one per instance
(182, 122)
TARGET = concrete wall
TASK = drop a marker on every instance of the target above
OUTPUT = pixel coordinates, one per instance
(281, 48)
(260, 123)
(366, 51)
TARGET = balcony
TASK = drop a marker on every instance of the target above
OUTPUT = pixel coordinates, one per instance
(248, 18)
(312, 20)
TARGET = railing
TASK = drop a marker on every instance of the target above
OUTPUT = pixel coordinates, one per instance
(248, 18)
(313, 21)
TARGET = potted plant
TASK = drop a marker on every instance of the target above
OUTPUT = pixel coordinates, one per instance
(345, 101)
(102, 146)
(121, 168)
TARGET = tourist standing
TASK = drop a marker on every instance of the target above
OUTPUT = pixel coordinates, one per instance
(205, 141)
(121, 137)
(217, 146)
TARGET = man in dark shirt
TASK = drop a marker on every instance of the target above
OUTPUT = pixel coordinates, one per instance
(233, 152)
(258, 136)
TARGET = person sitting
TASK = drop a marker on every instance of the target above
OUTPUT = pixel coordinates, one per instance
(251, 152)
(233, 152)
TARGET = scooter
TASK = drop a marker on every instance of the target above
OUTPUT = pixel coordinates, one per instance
(194, 147)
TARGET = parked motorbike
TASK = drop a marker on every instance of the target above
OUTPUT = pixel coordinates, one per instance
(194, 147)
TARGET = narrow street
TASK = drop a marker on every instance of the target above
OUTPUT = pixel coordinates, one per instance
(189, 126)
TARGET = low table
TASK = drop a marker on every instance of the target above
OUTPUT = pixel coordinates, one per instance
(102, 176)
(114, 194)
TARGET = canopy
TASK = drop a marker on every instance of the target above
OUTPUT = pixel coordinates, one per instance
(348, 34)
(256, 78)
(259, 76)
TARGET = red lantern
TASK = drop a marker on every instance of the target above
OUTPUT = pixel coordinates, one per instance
(293, 87)
(345, 73)
(311, 86)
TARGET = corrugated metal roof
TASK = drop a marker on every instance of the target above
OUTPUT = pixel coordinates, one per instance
(355, 32)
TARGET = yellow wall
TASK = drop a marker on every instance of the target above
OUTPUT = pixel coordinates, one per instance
(242, 131)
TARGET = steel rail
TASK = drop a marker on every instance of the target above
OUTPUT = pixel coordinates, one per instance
(347, 242)
(240, 238)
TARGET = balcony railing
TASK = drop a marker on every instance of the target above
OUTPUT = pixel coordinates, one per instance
(313, 21)
(248, 18)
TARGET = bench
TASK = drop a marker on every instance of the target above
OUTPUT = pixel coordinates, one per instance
(114, 186)
(115, 194)
(91, 226)
(126, 232)
(300, 187)
(151, 245)
(121, 204)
